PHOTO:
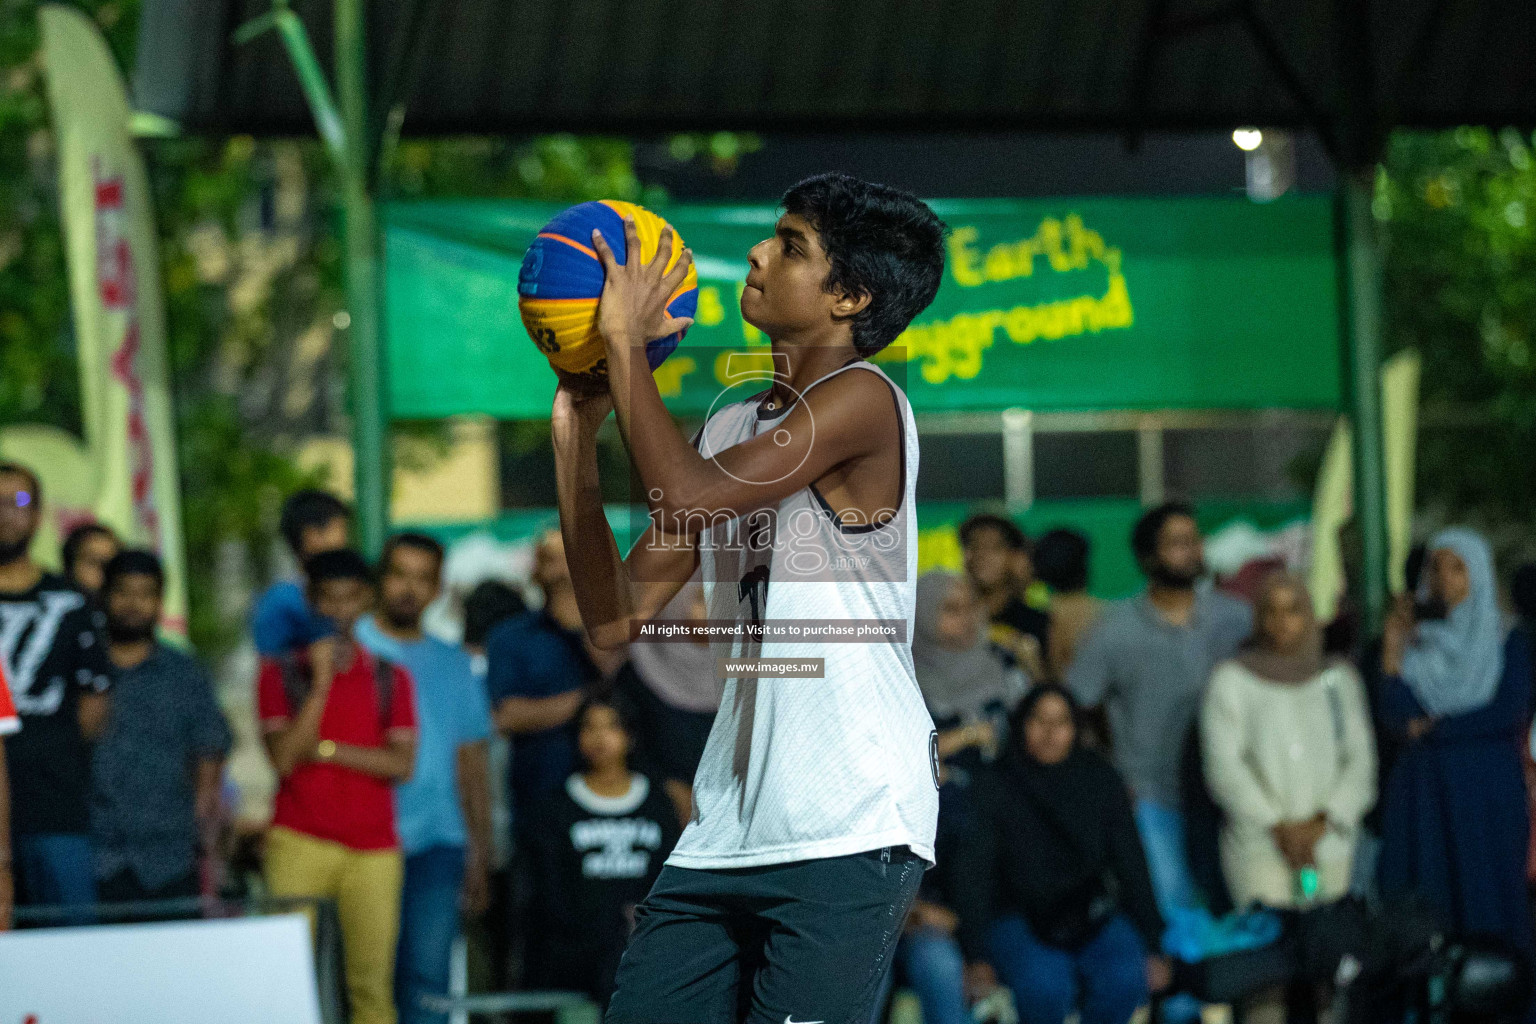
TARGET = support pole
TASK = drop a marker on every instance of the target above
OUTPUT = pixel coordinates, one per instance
(344, 128)
(1361, 277)
(364, 284)
(1019, 459)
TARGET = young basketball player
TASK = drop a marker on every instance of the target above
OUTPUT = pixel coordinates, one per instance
(815, 803)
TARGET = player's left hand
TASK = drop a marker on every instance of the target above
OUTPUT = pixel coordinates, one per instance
(575, 409)
(633, 307)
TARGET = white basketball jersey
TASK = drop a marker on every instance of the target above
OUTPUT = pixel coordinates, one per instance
(797, 769)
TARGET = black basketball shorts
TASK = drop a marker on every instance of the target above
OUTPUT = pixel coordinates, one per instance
(807, 942)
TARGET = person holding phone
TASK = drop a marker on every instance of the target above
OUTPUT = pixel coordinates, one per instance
(1456, 694)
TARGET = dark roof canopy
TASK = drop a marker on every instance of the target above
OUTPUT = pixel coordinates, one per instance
(1348, 68)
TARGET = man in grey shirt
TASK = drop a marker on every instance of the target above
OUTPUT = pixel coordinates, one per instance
(1147, 661)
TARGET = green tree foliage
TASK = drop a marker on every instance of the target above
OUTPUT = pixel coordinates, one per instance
(1458, 212)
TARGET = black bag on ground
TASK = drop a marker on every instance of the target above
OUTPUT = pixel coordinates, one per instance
(1311, 946)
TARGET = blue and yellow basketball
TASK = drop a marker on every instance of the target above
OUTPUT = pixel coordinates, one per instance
(562, 278)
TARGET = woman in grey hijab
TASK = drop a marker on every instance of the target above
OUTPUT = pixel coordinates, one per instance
(1455, 693)
(1453, 665)
(970, 689)
(966, 682)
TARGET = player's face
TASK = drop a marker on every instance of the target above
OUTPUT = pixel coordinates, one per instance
(342, 601)
(133, 607)
(785, 291)
(19, 516)
(602, 739)
(1049, 732)
(411, 582)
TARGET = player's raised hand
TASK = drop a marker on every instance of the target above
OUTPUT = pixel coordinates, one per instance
(578, 411)
(633, 306)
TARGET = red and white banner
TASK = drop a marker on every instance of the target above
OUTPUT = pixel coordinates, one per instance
(115, 296)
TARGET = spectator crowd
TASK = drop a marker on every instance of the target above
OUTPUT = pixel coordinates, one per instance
(1108, 771)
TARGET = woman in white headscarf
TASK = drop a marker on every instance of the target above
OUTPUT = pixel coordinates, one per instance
(1289, 755)
(1456, 694)
(1290, 760)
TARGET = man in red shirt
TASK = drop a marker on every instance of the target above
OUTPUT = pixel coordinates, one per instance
(340, 728)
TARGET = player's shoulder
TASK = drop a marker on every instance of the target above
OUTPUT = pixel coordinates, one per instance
(858, 399)
(861, 377)
(724, 421)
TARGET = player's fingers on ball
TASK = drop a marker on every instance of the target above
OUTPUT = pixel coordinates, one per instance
(632, 239)
(604, 254)
(675, 325)
(664, 247)
(677, 274)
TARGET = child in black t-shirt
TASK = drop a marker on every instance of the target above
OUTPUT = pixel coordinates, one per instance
(598, 844)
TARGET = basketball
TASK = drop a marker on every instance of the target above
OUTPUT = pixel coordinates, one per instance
(562, 278)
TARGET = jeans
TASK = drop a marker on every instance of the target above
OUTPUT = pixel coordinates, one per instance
(429, 920)
(935, 969)
(1162, 838)
(55, 869)
(1105, 980)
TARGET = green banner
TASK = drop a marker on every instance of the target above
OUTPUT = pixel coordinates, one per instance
(1059, 304)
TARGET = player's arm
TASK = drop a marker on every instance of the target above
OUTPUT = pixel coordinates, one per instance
(611, 591)
(849, 416)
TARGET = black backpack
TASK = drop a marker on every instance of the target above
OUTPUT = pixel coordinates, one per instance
(297, 681)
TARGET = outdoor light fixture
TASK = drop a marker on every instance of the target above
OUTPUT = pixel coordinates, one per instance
(1248, 139)
(1270, 159)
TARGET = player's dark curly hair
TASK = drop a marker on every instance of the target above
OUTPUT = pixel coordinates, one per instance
(882, 242)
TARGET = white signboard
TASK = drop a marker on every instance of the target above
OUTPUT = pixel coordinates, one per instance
(250, 971)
